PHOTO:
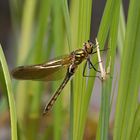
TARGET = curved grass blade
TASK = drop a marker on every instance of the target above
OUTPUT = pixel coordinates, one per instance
(127, 99)
(9, 92)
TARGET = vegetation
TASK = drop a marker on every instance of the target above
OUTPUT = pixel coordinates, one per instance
(47, 28)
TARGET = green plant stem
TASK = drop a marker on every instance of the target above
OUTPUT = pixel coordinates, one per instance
(8, 84)
(129, 76)
(80, 13)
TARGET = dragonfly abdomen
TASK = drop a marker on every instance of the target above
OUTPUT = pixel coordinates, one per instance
(57, 93)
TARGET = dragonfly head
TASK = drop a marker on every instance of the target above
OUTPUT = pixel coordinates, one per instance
(88, 47)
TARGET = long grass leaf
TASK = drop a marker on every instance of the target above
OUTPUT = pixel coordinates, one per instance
(129, 76)
(103, 127)
(9, 92)
(80, 24)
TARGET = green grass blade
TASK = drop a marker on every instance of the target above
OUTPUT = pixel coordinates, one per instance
(42, 27)
(121, 31)
(23, 98)
(102, 36)
(9, 92)
(105, 22)
(80, 27)
(24, 47)
(59, 49)
(136, 125)
(103, 128)
(129, 77)
(26, 29)
(107, 84)
(67, 22)
(39, 53)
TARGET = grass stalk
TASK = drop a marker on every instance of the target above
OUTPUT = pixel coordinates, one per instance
(103, 127)
(59, 49)
(81, 15)
(9, 92)
(127, 99)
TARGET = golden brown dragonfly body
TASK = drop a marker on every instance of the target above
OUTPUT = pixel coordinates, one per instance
(53, 70)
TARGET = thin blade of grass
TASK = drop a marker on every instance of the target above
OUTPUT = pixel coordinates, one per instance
(80, 27)
(136, 125)
(129, 77)
(8, 90)
(67, 22)
(102, 36)
(59, 49)
(39, 52)
(42, 27)
(103, 127)
(121, 31)
(24, 47)
(23, 98)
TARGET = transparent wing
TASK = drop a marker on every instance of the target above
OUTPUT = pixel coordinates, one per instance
(53, 70)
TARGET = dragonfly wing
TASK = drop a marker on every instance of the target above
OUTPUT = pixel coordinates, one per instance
(52, 70)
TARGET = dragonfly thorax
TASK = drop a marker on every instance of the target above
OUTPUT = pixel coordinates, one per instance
(79, 55)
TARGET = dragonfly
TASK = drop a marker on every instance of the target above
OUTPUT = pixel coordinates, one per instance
(55, 69)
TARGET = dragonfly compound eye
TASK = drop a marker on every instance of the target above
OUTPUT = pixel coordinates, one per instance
(89, 47)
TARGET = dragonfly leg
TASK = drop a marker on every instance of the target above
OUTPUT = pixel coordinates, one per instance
(84, 75)
(84, 70)
(101, 50)
(90, 65)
